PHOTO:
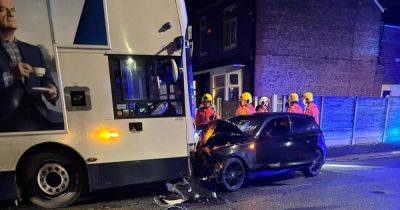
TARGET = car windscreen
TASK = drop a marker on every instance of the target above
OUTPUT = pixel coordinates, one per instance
(249, 126)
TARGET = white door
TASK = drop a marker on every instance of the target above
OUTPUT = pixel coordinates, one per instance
(227, 86)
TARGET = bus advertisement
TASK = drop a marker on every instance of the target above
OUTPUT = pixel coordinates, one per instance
(94, 94)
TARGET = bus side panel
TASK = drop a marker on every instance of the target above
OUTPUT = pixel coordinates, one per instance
(157, 153)
(109, 175)
(160, 138)
(92, 71)
(136, 26)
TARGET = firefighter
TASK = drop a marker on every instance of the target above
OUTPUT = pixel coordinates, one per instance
(311, 108)
(263, 105)
(205, 113)
(245, 106)
(293, 104)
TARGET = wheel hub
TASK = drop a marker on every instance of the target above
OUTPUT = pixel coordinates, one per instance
(316, 164)
(233, 175)
(53, 179)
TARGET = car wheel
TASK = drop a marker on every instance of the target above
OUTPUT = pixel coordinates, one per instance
(51, 180)
(232, 175)
(314, 168)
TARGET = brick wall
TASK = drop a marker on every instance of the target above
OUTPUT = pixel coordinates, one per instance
(391, 54)
(329, 47)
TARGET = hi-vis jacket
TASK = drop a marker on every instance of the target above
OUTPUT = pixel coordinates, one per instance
(295, 108)
(312, 110)
(205, 115)
(245, 110)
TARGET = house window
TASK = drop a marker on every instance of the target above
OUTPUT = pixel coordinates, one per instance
(233, 86)
(230, 27)
(203, 36)
(227, 86)
(219, 87)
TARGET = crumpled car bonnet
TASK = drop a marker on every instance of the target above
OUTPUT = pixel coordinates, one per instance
(208, 130)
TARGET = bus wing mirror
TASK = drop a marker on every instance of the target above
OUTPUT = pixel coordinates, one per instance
(175, 70)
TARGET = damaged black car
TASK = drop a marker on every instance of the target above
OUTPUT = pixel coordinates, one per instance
(228, 150)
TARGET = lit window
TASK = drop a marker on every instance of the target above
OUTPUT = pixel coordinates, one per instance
(143, 87)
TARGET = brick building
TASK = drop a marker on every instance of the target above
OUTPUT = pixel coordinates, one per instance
(330, 47)
(223, 57)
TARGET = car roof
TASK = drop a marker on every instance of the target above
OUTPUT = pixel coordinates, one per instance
(269, 115)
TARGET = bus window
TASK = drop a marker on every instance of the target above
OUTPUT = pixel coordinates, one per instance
(143, 86)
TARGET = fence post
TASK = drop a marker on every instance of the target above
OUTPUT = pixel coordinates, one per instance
(274, 103)
(284, 100)
(354, 121)
(386, 119)
(219, 106)
(321, 111)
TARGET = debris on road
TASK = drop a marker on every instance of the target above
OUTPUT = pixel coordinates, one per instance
(188, 190)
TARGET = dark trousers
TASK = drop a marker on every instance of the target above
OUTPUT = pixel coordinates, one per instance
(28, 118)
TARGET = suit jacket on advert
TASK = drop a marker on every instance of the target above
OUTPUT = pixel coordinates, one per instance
(11, 97)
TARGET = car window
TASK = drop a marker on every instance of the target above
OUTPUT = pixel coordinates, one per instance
(314, 126)
(278, 126)
(300, 124)
(303, 125)
(248, 126)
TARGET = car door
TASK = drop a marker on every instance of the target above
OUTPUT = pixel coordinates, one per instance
(305, 139)
(273, 142)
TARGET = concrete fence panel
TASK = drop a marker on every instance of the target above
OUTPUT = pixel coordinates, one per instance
(370, 120)
(393, 121)
(337, 119)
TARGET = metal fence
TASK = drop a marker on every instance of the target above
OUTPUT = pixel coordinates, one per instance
(345, 120)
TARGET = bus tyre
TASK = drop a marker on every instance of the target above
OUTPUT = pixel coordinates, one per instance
(51, 179)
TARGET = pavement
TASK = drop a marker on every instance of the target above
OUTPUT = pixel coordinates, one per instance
(361, 149)
(356, 177)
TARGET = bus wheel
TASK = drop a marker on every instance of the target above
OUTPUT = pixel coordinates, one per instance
(51, 179)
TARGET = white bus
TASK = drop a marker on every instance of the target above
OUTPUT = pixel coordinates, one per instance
(106, 100)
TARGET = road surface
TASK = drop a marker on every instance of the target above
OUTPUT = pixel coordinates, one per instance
(370, 181)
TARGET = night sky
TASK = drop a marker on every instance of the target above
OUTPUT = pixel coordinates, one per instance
(392, 12)
(391, 16)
